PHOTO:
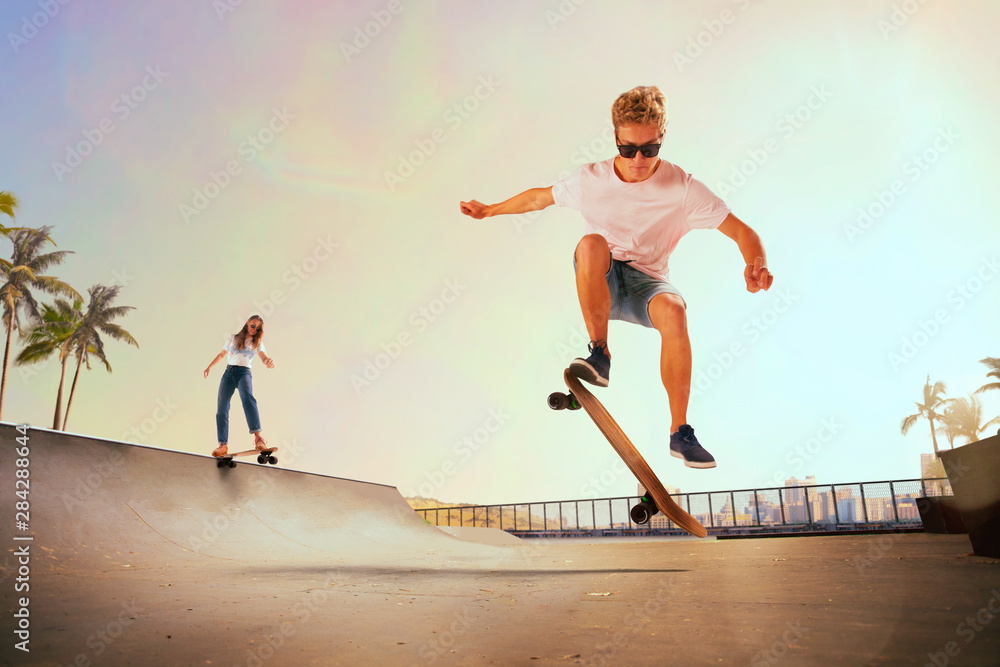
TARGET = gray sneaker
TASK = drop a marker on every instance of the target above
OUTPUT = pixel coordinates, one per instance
(684, 445)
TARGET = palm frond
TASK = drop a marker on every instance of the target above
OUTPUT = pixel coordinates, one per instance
(8, 203)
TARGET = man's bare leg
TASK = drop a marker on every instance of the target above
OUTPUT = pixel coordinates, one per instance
(667, 313)
(593, 260)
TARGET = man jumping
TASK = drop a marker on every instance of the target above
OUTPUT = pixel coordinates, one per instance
(636, 208)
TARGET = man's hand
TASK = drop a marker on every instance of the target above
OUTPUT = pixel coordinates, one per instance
(474, 209)
(757, 276)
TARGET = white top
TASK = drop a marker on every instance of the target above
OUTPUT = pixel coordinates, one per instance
(642, 221)
(242, 357)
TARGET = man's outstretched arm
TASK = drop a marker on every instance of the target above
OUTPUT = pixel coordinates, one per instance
(529, 200)
(756, 274)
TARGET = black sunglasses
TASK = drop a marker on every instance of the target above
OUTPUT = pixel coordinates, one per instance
(628, 151)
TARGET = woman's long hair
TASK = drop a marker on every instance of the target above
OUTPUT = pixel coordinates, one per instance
(241, 337)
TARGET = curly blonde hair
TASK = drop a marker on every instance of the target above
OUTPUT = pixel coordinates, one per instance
(643, 105)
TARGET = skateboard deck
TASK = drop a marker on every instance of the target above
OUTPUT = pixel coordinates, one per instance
(263, 456)
(580, 396)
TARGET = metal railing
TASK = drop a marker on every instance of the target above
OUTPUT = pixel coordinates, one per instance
(884, 505)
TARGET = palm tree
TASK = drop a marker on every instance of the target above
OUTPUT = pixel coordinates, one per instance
(933, 399)
(22, 274)
(992, 363)
(949, 424)
(87, 336)
(8, 203)
(964, 417)
(53, 334)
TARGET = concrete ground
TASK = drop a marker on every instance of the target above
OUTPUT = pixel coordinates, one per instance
(142, 556)
(856, 600)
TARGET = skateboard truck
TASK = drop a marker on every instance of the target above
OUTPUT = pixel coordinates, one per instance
(561, 401)
(644, 510)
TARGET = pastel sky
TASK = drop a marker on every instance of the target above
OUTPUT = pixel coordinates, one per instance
(305, 161)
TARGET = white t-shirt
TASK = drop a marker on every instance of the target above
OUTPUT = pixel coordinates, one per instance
(642, 221)
(242, 357)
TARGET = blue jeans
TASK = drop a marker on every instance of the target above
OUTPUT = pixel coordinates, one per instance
(236, 378)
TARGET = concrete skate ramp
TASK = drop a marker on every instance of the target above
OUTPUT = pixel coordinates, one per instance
(481, 535)
(110, 503)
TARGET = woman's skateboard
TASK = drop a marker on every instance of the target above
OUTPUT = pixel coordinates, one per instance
(263, 456)
(656, 497)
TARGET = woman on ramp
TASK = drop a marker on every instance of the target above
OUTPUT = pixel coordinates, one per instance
(241, 349)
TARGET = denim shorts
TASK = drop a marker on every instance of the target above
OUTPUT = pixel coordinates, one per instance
(631, 291)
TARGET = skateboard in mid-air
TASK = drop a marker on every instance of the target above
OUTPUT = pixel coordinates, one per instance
(263, 456)
(656, 497)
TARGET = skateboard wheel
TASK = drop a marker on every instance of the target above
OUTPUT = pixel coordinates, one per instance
(558, 400)
(220, 463)
(272, 459)
(261, 458)
(232, 464)
(573, 403)
(642, 512)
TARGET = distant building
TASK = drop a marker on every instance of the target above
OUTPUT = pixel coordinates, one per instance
(926, 461)
(794, 497)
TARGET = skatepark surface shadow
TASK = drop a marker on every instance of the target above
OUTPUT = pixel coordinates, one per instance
(142, 556)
